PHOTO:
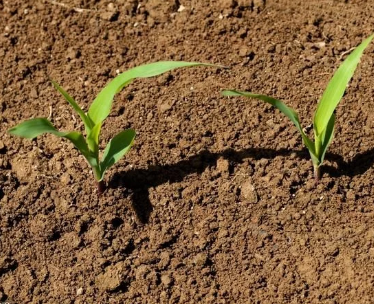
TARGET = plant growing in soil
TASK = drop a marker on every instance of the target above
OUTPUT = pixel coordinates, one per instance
(99, 110)
(324, 117)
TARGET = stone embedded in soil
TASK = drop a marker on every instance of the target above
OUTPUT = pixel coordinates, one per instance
(72, 239)
(111, 15)
(244, 51)
(34, 93)
(223, 165)
(165, 106)
(164, 259)
(23, 168)
(248, 192)
(72, 53)
(166, 279)
(141, 272)
(65, 178)
(200, 260)
(110, 280)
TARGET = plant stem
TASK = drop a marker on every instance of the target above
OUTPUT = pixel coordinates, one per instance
(317, 173)
(100, 187)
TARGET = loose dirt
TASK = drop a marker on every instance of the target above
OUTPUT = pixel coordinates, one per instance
(216, 202)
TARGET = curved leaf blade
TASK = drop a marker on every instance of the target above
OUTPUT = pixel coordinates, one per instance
(289, 112)
(336, 87)
(37, 126)
(117, 147)
(86, 120)
(102, 104)
(34, 127)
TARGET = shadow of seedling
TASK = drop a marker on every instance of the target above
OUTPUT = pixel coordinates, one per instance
(357, 166)
(139, 181)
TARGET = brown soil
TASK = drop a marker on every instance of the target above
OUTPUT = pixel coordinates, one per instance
(216, 201)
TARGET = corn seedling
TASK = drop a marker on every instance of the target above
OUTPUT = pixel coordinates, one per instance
(324, 117)
(99, 110)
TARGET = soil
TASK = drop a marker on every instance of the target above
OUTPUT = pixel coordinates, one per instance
(215, 202)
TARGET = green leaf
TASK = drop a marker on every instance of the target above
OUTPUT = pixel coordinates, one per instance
(102, 104)
(336, 87)
(116, 148)
(88, 124)
(93, 138)
(289, 112)
(38, 126)
(327, 137)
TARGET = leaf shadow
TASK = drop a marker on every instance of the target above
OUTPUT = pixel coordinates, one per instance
(138, 181)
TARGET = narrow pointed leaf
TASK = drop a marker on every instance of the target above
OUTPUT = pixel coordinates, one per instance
(34, 127)
(327, 137)
(86, 120)
(102, 104)
(289, 112)
(336, 87)
(116, 148)
(38, 126)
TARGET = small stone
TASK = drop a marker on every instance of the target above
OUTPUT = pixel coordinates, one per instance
(181, 8)
(110, 15)
(72, 54)
(164, 259)
(166, 279)
(79, 291)
(319, 45)
(200, 260)
(141, 272)
(222, 165)
(351, 195)
(248, 192)
(34, 93)
(244, 51)
(65, 179)
(164, 107)
(270, 48)
(149, 116)
(109, 280)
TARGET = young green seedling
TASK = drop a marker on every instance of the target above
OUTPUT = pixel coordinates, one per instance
(99, 110)
(324, 117)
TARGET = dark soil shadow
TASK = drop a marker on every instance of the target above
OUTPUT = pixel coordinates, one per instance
(138, 181)
(357, 166)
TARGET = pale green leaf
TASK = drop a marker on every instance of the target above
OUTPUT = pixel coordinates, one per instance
(336, 87)
(102, 104)
(327, 136)
(93, 138)
(86, 120)
(118, 146)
